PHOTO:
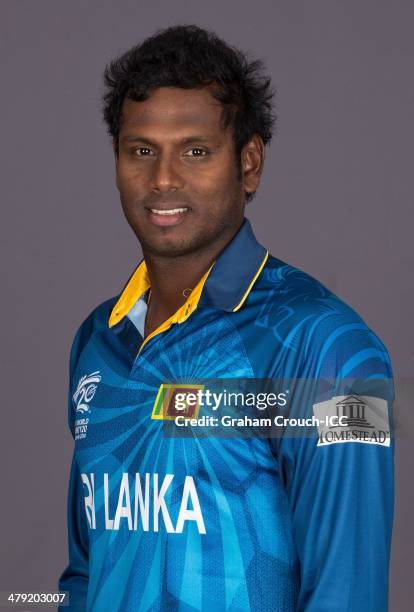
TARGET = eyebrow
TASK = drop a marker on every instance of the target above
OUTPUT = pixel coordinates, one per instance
(186, 140)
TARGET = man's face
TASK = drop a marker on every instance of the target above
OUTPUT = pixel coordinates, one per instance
(177, 173)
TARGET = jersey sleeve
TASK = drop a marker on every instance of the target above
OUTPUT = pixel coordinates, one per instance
(75, 577)
(341, 489)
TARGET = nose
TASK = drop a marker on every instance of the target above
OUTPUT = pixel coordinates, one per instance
(166, 176)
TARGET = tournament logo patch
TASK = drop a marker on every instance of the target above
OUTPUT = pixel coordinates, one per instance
(84, 393)
(85, 390)
(176, 400)
(356, 418)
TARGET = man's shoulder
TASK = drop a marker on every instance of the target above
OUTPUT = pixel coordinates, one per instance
(312, 321)
(95, 321)
(294, 289)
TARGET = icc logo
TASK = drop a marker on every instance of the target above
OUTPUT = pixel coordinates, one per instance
(85, 391)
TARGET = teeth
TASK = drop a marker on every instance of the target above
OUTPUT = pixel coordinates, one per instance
(173, 211)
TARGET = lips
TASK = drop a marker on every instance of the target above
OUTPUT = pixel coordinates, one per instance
(166, 204)
(168, 211)
(167, 214)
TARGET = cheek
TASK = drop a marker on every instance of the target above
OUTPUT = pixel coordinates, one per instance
(130, 182)
(227, 187)
(220, 179)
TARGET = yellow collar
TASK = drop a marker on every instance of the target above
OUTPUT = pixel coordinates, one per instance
(139, 283)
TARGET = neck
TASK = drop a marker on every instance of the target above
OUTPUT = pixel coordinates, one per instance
(171, 276)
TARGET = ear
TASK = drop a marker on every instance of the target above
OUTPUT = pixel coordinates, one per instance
(252, 160)
(116, 155)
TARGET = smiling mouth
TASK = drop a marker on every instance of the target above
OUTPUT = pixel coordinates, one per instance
(171, 211)
(168, 217)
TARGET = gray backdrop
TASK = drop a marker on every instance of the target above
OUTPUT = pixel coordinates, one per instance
(335, 200)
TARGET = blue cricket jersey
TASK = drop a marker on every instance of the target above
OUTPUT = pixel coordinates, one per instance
(274, 523)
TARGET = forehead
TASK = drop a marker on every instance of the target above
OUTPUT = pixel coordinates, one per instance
(174, 108)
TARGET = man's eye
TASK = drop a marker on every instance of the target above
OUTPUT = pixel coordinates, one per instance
(197, 152)
(142, 151)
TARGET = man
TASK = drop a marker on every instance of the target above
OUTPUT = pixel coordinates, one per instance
(173, 522)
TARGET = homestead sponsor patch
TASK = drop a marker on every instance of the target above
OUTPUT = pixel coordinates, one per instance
(360, 418)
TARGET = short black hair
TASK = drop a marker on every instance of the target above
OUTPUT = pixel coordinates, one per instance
(188, 56)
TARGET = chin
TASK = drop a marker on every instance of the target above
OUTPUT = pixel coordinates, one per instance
(170, 250)
(169, 247)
